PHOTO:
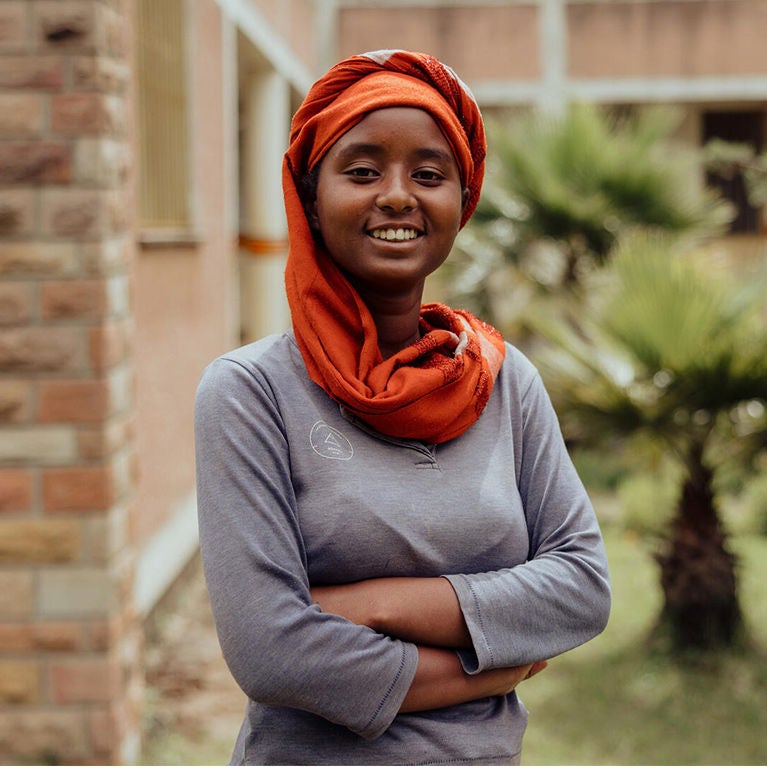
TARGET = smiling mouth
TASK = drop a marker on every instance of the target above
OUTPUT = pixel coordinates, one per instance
(395, 235)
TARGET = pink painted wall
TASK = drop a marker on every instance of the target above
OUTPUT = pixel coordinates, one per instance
(184, 300)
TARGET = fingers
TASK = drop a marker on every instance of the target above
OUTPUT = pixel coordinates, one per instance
(536, 668)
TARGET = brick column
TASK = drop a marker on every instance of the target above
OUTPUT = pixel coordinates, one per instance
(70, 647)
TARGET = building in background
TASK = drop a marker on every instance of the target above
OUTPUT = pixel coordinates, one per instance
(142, 234)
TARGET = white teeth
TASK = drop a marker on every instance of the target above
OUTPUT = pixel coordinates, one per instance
(394, 234)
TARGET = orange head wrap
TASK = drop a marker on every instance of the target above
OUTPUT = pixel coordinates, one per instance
(435, 389)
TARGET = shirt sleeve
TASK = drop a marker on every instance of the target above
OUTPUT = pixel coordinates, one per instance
(280, 647)
(560, 597)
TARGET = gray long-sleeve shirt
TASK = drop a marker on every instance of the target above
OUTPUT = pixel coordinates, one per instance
(293, 491)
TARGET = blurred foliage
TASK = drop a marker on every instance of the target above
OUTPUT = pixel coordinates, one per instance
(560, 193)
(665, 348)
(677, 354)
(728, 159)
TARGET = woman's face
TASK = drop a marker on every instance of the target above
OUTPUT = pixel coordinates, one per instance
(389, 201)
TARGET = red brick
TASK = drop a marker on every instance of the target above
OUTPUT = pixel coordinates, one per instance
(14, 25)
(82, 401)
(87, 113)
(87, 488)
(15, 490)
(17, 208)
(41, 637)
(38, 541)
(73, 299)
(88, 680)
(31, 72)
(21, 114)
(41, 349)
(35, 163)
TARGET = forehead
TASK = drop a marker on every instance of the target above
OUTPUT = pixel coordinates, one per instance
(402, 127)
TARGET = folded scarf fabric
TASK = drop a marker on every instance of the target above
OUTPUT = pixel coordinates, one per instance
(436, 388)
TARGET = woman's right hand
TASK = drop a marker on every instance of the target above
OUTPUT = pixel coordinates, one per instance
(441, 681)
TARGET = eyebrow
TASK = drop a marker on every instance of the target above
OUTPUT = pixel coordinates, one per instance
(423, 153)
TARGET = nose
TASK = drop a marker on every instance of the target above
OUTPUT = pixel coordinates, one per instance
(395, 194)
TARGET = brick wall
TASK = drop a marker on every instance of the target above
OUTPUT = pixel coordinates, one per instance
(69, 641)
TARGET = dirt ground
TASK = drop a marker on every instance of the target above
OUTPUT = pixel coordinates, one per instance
(193, 708)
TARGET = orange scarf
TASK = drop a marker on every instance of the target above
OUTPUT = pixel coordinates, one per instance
(436, 388)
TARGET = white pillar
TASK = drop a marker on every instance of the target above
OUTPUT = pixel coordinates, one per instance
(553, 50)
(263, 226)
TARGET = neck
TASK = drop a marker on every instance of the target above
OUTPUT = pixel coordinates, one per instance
(397, 320)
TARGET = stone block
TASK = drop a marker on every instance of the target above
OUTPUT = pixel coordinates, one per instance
(38, 445)
(70, 24)
(41, 637)
(14, 26)
(35, 541)
(17, 212)
(87, 114)
(19, 682)
(99, 73)
(42, 349)
(108, 438)
(101, 162)
(67, 592)
(73, 213)
(38, 259)
(16, 303)
(78, 488)
(107, 256)
(77, 401)
(39, 162)
(87, 680)
(44, 736)
(21, 115)
(110, 344)
(44, 73)
(73, 299)
(14, 401)
(15, 490)
(17, 595)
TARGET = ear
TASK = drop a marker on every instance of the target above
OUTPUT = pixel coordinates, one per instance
(312, 216)
(465, 197)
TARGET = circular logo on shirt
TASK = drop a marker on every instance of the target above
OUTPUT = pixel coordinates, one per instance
(330, 443)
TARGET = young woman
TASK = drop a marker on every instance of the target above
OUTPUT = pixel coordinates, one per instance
(392, 532)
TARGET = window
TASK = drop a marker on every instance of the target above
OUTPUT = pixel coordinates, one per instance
(740, 128)
(164, 191)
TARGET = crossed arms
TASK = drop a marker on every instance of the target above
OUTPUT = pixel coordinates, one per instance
(424, 611)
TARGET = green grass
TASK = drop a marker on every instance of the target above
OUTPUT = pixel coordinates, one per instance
(613, 701)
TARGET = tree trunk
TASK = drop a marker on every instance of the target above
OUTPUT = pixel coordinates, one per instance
(701, 609)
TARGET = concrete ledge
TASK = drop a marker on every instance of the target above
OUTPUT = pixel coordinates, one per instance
(166, 555)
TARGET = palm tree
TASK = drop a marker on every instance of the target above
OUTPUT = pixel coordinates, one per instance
(561, 191)
(679, 353)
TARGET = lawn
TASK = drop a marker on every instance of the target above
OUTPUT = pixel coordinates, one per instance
(614, 702)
